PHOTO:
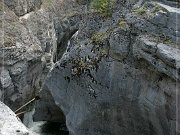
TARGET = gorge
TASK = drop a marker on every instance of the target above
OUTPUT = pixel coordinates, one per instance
(90, 67)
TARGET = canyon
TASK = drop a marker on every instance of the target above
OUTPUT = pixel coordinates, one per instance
(101, 67)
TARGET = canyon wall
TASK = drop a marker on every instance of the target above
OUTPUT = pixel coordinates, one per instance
(106, 70)
(120, 73)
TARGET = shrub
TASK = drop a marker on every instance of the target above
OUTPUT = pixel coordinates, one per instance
(104, 51)
(156, 8)
(98, 38)
(123, 24)
(104, 7)
(141, 11)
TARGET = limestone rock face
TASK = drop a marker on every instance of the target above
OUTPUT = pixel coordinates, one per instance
(26, 48)
(20, 60)
(22, 7)
(47, 110)
(112, 73)
(10, 124)
(28, 45)
(120, 74)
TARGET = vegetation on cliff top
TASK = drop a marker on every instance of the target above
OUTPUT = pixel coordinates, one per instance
(146, 11)
(104, 7)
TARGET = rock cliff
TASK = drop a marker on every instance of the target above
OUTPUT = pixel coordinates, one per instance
(113, 65)
(120, 72)
(27, 40)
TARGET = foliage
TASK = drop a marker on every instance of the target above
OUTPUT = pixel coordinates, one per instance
(99, 37)
(144, 10)
(123, 24)
(104, 7)
(104, 51)
(156, 8)
(141, 11)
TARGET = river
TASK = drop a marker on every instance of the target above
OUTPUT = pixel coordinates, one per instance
(49, 128)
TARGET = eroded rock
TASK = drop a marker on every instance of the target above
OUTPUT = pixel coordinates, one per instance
(115, 79)
(10, 124)
(116, 74)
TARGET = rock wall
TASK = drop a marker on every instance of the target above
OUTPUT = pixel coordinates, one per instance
(26, 50)
(111, 70)
(21, 65)
(120, 74)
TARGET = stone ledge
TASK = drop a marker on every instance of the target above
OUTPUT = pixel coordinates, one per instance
(164, 58)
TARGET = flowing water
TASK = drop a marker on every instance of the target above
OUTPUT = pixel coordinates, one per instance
(49, 128)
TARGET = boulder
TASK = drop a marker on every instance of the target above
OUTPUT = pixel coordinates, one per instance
(10, 124)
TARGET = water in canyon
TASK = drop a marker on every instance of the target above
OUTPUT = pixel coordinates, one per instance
(49, 128)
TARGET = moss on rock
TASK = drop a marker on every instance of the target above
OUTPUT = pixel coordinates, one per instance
(141, 11)
(99, 37)
(123, 24)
